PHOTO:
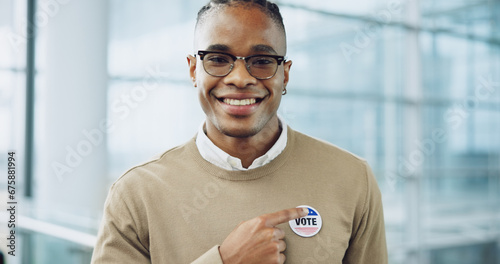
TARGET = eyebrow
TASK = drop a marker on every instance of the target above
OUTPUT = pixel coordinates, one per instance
(219, 47)
(263, 48)
(260, 48)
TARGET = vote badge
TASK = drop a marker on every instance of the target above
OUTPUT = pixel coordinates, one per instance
(309, 225)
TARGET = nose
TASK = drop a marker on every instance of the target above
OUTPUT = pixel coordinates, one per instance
(239, 75)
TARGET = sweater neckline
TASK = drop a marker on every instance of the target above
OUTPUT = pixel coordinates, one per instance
(246, 175)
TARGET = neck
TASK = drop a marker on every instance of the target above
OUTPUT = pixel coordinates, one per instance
(247, 149)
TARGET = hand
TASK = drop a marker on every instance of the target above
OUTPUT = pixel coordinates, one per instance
(258, 240)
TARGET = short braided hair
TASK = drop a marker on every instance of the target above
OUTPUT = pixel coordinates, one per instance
(269, 8)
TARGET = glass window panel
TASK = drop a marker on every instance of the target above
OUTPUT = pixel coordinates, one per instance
(150, 121)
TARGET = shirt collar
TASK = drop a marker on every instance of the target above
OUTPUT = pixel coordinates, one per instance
(213, 154)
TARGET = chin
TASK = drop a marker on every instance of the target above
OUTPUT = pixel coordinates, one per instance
(239, 133)
(240, 127)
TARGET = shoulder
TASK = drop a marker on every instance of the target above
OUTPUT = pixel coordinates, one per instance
(320, 149)
(153, 171)
(342, 167)
(332, 164)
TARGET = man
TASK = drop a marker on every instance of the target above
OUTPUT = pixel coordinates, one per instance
(222, 196)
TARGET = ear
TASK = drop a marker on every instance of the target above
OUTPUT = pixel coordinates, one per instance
(192, 68)
(286, 65)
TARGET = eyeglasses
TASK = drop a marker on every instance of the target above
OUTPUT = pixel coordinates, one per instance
(220, 64)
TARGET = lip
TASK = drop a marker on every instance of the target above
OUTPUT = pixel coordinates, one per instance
(239, 96)
(239, 110)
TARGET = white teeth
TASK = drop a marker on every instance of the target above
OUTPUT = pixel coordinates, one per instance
(240, 102)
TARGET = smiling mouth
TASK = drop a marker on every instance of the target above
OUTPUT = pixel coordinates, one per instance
(240, 102)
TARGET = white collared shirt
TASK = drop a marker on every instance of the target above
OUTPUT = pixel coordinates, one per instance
(213, 154)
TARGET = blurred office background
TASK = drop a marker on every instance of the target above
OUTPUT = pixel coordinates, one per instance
(90, 88)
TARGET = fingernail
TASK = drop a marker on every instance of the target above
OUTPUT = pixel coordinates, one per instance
(305, 211)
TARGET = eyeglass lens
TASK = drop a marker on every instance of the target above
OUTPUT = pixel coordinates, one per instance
(261, 67)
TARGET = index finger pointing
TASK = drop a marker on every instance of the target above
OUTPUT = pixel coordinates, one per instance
(283, 216)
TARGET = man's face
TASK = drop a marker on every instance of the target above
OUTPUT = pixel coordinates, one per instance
(240, 31)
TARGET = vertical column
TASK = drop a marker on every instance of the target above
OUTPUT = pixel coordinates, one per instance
(412, 129)
(71, 151)
(30, 98)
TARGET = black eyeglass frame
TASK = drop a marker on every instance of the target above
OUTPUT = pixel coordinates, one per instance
(279, 59)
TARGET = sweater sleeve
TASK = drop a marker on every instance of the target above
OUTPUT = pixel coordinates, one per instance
(368, 244)
(119, 239)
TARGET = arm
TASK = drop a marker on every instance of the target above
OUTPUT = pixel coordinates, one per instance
(119, 239)
(368, 245)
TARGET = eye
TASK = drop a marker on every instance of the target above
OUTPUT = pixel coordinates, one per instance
(263, 61)
(217, 59)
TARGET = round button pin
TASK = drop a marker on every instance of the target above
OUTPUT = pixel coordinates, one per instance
(308, 225)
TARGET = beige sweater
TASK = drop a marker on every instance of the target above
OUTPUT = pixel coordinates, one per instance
(178, 207)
